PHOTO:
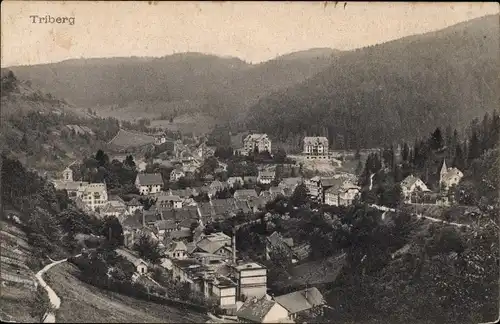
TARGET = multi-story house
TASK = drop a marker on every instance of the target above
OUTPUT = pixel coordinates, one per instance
(316, 148)
(259, 142)
(265, 176)
(168, 201)
(410, 185)
(252, 280)
(95, 195)
(148, 183)
(341, 194)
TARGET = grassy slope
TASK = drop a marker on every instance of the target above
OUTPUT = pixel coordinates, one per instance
(81, 302)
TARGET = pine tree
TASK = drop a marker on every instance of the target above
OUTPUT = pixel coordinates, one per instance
(406, 152)
(436, 140)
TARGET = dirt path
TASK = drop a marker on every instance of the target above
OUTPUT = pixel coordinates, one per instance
(55, 301)
(432, 219)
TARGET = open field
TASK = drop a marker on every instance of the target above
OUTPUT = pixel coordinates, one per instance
(131, 139)
(18, 284)
(316, 272)
(196, 124)
(81, 302)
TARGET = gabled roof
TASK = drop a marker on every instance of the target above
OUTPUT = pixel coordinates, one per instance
(245, 193)
(301, 300)
(181, 234)
(168, 224)
(177, 246)
(315, 140)
(267, 174)
(132, 222)
(330, 182)
(167, 198)
(255, 310)
(133, 202)
(212, 246)
(149, 179)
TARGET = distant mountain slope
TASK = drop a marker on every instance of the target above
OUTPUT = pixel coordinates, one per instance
(400, 89)
(204, 82)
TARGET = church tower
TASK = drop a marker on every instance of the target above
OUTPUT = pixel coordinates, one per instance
(68, 174)
(443, 171)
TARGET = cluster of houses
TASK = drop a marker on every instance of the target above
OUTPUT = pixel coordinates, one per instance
(209, 264)
(338, 190)
(414, 190)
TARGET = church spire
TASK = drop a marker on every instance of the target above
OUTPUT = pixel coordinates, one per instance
(444, 169)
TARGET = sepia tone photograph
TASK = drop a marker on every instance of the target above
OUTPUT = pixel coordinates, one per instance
(250, 162)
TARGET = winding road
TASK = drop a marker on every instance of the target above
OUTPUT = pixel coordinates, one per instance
(55, 301)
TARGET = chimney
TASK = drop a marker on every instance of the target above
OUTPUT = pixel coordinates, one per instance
(234, 246)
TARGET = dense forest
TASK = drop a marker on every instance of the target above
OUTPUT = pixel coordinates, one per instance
(476, 154)
(400, 89)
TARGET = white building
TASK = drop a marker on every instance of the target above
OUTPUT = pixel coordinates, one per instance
(449, 176)
(148, 183)
(177, 250)
(316, 147)
(176, 174)
(134, 205)
(252, 280)
(94, 195)
(265, 176)
(410, 185)
(259, 141)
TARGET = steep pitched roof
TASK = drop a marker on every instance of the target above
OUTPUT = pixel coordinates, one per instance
(149, 179)
(177, 246)
(409, 181)
(301, 300)
(132, 222)
(255, 309)
(331, 182)
(245, 193)
(315, 140)
(133, 202)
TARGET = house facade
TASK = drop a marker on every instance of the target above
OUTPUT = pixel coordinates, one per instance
(265, 176)
(149, 183)
(259, 142)
(316, 147)
(95, 196)
(410, 185)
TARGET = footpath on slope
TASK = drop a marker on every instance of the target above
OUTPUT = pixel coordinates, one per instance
(55, 301)
(432, 219)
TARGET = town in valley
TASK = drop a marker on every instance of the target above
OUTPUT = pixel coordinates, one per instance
(332, 186)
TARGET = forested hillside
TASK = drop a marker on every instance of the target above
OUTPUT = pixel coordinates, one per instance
(174, 84)
(43, 131)
(400, 89)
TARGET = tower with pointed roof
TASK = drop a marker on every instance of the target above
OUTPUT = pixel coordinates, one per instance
(68, 174)
(443, 172)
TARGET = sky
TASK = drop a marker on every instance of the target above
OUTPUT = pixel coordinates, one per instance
(251, 31)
